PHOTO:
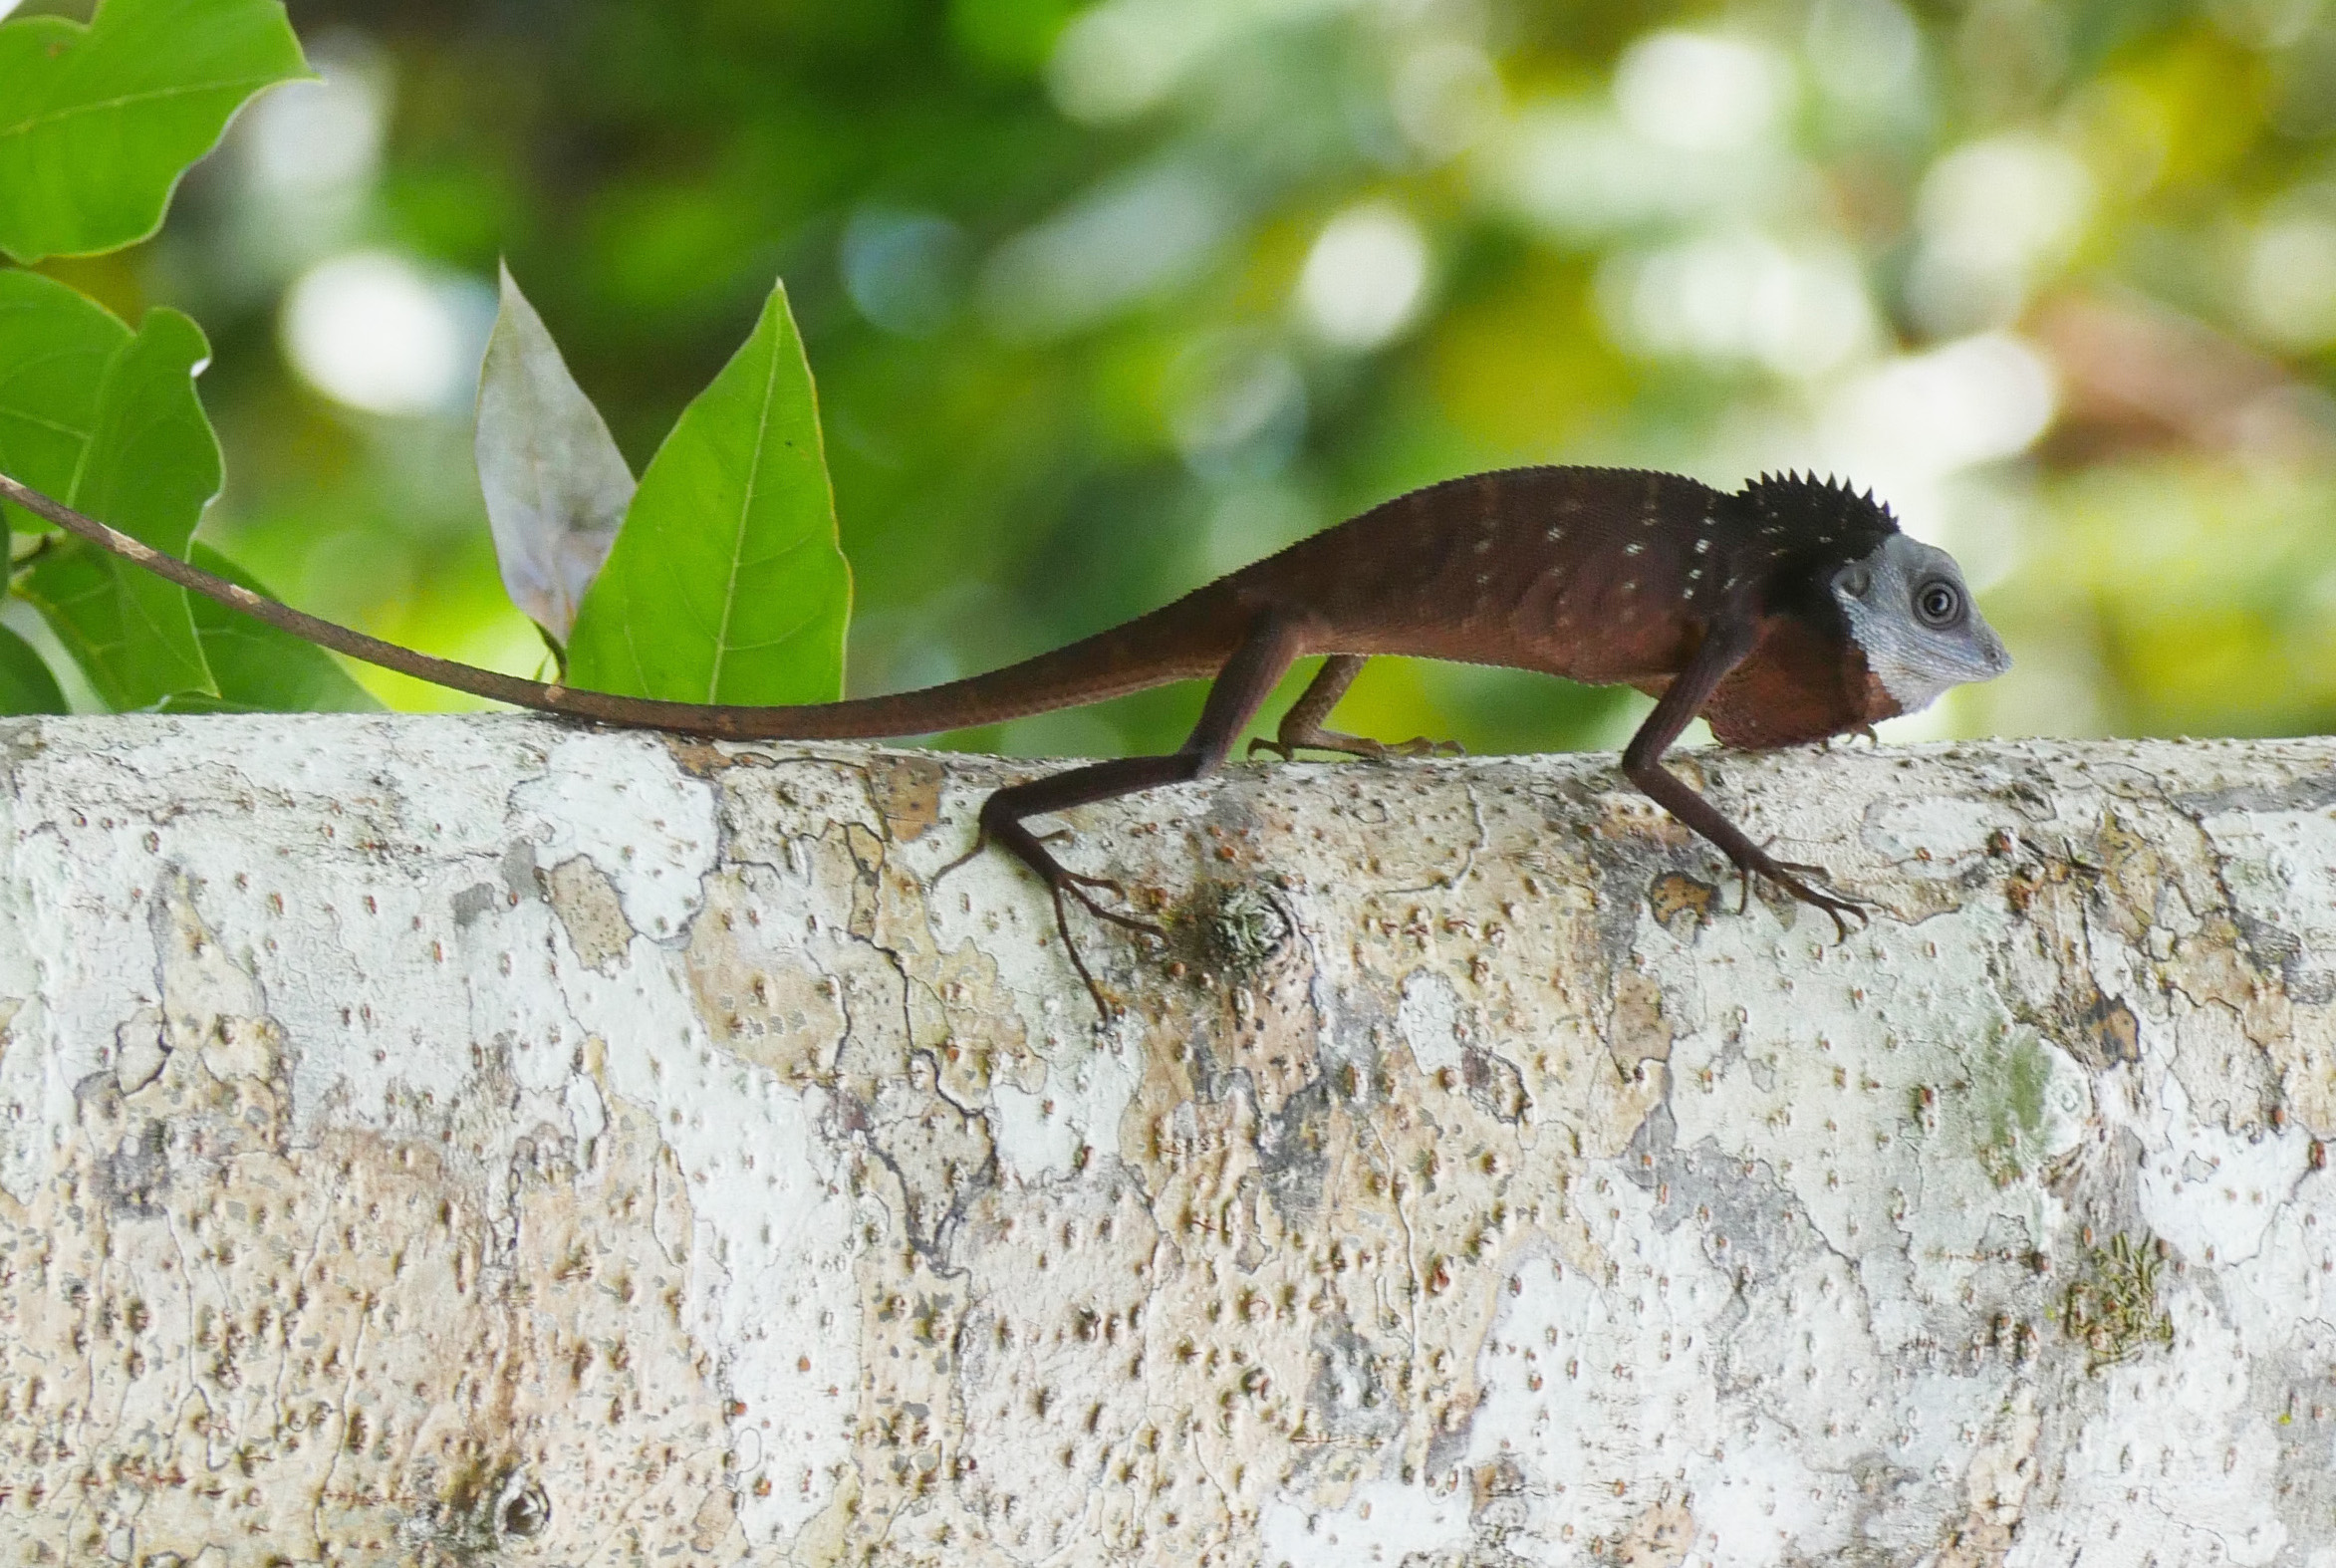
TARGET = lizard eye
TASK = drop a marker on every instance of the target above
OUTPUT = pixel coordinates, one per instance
(1940, 604)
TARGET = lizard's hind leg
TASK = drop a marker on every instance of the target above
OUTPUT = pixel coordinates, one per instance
(1244, 683)
(1301, 728)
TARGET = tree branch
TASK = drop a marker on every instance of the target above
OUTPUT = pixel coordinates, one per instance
(432, 1136)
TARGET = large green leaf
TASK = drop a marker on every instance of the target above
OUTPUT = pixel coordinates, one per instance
(726, 584)
(150, 466)
(258, 668)
(55, 345)
(98, 123)
(26, 685)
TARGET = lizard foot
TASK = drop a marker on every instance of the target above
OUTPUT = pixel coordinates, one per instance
(1787, 875)
(1357, 746)
(1076, 885)
(1064, 882)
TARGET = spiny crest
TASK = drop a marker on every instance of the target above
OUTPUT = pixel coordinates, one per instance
(1804, 498)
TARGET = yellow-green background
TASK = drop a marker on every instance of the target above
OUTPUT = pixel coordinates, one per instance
(1014, 467)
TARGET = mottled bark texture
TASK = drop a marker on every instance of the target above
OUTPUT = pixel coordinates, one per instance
(478, 1139)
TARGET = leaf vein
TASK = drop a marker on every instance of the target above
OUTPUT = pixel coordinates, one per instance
(122, 100)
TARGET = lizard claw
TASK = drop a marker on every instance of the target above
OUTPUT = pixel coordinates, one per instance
(1076, 885)
(1064, 886)
(1787, 877)
(1070, 882)
(1288, 747)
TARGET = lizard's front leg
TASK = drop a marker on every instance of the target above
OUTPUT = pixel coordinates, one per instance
(1726, 644)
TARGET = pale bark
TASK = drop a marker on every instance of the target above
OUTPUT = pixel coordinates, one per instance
(434, 1137)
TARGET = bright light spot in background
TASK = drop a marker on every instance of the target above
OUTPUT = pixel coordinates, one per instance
(1118, 59)
(1363, 280)
(1992, 215)
(7, 6)
(1864, 52)
(1916, 421)
(902, 269)
(2292, 283)
(306, 137)
(1577, 172)
(1743, 298)
(2268, 24)
(1446, 97)
(1702, 92)
(1139, 235)
(1236, 410)
(371, 330)
(306, 155)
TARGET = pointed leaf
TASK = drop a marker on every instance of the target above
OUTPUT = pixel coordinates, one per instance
(258, 668)
(26, 685)
(149, 468)
(55, 345)
(98, 123)
(726, 584)
(555, 484)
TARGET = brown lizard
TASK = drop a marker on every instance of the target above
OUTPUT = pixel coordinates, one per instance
(1789, 611)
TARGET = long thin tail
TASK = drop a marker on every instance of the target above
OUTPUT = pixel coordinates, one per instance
(1178, 641)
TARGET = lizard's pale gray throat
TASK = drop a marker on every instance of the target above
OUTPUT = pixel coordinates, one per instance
(1914, 661)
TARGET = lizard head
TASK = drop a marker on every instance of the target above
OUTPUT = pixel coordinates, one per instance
(1912, 617)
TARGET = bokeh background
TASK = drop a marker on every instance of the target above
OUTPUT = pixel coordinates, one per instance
(1103, 299)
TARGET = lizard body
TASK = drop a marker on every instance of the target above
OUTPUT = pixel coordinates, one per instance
(1788, 611)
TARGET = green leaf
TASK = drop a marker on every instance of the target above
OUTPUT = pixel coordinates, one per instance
(98, 123)
(556, 485)
(55, 345)
(26, 685)
(726, 584)
(150, 466)
(258, 668)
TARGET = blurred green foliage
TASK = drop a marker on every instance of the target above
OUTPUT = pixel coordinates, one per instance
(1104, 299)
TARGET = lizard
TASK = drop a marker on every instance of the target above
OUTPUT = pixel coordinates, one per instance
(1791, 611)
